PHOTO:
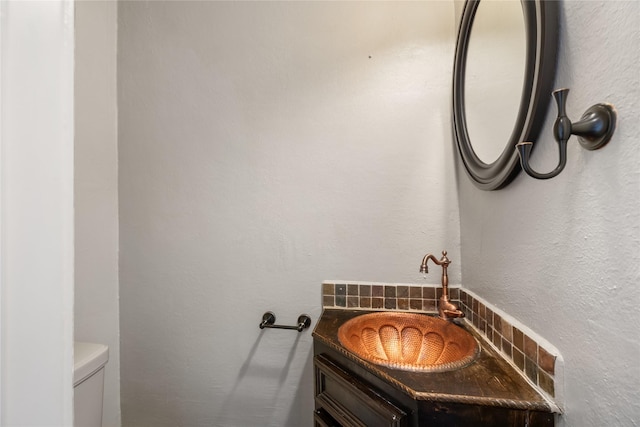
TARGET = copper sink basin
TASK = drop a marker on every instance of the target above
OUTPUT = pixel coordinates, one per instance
(409, 341)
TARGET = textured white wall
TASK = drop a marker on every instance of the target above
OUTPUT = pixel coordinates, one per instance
(96, 190)
(563, 255)
(264, 147)
(36, 238)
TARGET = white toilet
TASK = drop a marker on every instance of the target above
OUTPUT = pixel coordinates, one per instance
(88, 383)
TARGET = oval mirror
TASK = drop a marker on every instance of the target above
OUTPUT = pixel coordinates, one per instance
(502, 78)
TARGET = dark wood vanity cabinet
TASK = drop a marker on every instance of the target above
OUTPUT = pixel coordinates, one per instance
(348, 395)
(342, 399)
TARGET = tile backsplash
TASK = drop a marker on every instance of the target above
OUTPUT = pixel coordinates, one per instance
(381, 296)
(535, 359)
(530, 354)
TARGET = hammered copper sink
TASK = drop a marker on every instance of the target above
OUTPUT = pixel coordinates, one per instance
(409, 341)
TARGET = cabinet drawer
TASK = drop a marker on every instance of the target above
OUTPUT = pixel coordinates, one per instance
(351, 402)
(322, 419)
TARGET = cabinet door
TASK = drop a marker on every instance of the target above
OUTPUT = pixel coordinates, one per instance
(351, 402)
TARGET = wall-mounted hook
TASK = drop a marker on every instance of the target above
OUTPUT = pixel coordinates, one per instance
(594, 130)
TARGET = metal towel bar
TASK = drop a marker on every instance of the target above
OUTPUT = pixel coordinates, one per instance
(269, 320)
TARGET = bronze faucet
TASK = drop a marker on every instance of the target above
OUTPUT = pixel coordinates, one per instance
(446, 309)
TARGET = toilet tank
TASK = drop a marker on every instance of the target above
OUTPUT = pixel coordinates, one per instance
(88, 383)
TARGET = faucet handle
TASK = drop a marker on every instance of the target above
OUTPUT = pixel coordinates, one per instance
(445, 260)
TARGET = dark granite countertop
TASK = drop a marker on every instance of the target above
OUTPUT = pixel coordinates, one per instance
(489, 380)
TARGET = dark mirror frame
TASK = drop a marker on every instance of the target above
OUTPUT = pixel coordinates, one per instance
(541, 28)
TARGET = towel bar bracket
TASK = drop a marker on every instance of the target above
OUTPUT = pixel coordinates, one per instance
(269, 320)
